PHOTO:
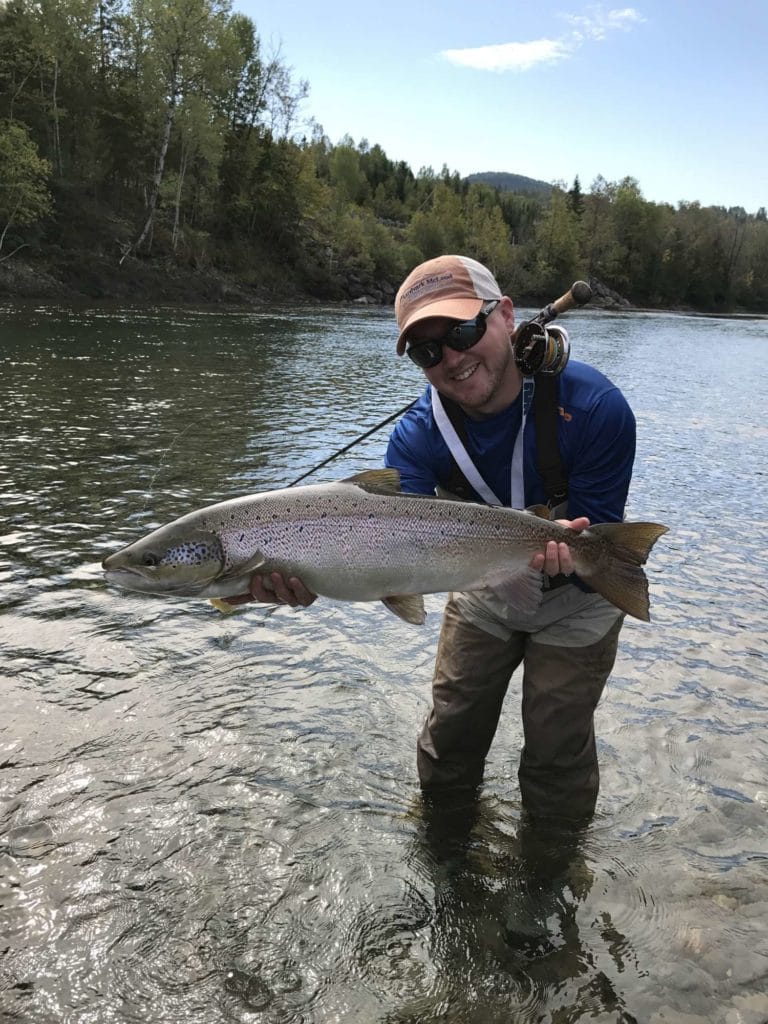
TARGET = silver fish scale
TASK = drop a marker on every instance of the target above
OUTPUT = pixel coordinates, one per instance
(354, 542)
(342, 533)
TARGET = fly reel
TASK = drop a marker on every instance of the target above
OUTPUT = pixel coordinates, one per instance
(540, 349)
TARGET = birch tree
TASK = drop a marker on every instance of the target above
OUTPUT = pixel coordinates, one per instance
(179, 59)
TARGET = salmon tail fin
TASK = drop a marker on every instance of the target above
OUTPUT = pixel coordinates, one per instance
(624, 583)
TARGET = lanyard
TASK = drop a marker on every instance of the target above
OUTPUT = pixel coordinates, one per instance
(465, 463)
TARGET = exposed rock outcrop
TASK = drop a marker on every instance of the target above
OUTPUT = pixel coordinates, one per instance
(604, 297)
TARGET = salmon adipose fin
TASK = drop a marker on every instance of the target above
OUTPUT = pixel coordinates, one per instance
(623, 582)
(408, 607)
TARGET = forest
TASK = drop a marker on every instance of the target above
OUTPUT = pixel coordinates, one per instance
(143, 137)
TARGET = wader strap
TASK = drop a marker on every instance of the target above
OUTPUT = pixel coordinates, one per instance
(546, 416)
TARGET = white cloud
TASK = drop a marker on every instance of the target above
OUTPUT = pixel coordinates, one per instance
(510, 56)
(597, 23)
(594, 25)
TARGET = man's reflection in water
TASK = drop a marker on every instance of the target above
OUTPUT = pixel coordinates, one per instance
(506, 914)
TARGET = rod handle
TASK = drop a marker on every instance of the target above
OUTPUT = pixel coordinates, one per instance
(577, 295)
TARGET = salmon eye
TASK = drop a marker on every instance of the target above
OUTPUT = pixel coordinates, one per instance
(151, 560)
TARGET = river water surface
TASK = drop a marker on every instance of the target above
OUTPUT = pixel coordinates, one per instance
(208, 818)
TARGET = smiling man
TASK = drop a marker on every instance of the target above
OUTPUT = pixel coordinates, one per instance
(481, 430)
(477, 431)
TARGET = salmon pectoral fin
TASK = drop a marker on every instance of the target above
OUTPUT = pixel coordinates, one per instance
(624, 583)
(223, 606)
(522, 592)
(409, 607)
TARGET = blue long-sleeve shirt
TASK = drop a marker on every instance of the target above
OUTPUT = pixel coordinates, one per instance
(596, 435)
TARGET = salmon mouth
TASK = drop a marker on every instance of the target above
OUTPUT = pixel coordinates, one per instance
(127, 578)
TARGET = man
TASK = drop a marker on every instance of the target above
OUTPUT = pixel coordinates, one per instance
(457, 326)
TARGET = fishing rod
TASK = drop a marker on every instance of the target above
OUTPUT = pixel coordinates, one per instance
(537, 349)
(540, 349)
(352, 444)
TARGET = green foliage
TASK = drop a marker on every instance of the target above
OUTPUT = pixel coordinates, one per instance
(164, 129)
(24, 195)
(557, 251)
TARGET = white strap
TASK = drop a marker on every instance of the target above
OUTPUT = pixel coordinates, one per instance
(459, 452)
(467, 466)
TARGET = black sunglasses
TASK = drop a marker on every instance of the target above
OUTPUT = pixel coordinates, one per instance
(462, 336)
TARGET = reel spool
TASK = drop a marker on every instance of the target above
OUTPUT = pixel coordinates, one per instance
(541, 349)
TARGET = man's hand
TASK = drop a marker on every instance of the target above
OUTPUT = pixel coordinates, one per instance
(557, 558)
(276, 589)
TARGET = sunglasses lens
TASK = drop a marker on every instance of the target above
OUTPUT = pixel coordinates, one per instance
(426, 354)
(464, 336)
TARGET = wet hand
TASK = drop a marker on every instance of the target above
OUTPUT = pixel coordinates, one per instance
(557, 556)
(276, 589)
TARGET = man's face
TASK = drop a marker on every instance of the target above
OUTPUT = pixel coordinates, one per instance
(483, 379)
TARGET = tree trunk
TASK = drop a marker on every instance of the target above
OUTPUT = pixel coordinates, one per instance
(176, 212)
(157, 180)
(56, 135)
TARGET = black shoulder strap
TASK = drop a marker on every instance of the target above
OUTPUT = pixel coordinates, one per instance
(546, 416)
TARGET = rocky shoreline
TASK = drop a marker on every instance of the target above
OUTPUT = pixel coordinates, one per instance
(84, 277)
(92, 278)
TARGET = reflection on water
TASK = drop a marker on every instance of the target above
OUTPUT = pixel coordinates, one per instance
(209, 819)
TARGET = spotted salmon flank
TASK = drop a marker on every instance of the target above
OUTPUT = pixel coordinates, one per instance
(361, 539)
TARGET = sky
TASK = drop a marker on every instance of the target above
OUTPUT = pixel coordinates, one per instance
(673, 93)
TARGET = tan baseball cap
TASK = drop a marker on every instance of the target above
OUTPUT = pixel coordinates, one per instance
(450, 286)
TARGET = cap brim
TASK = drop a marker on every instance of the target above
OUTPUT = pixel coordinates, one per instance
(452, 309)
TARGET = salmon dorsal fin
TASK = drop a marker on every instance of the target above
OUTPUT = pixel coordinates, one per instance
(408, 607)
(378, 481)
(444, 495)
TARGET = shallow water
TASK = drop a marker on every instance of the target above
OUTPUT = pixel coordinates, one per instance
(210, 818)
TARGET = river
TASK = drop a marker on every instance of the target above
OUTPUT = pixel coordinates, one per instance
(209, 818)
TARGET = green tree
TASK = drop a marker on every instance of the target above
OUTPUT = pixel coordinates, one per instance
(347, 175)
(179, 58)
(575, 197)
(557, 257)
(487, 235)
(24, 195)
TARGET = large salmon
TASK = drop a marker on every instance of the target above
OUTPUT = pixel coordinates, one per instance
(362, 540)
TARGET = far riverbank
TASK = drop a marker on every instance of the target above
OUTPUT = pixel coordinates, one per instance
(65, 276)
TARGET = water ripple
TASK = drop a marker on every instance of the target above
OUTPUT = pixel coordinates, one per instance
(210, 819)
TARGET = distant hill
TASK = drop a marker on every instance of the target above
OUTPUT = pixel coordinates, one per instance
(511, 182)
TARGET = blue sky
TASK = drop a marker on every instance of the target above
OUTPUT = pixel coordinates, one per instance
(673, 93)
